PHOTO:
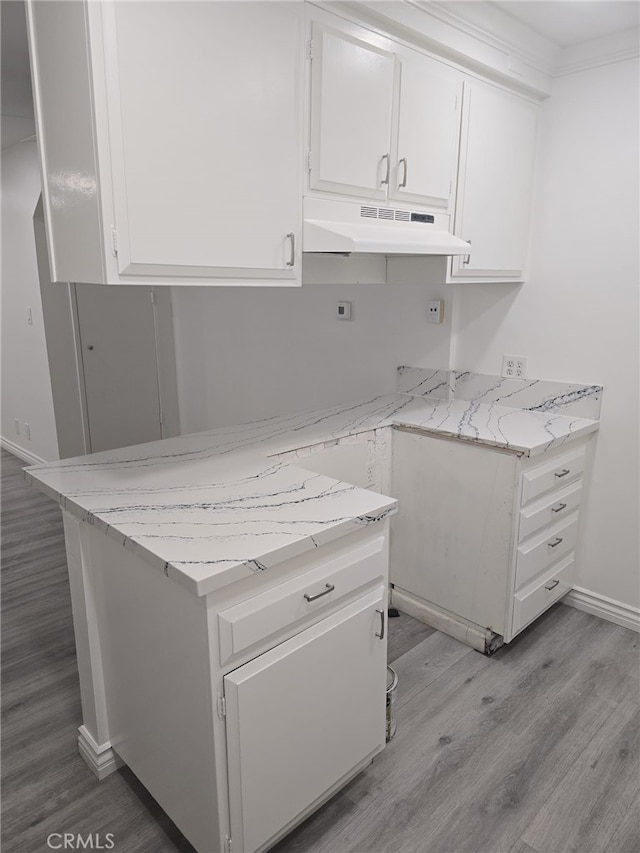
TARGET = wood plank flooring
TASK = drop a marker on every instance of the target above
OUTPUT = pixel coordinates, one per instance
(534, 750)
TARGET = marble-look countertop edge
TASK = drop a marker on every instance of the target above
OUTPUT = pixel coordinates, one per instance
(496, 444)
(324, 427)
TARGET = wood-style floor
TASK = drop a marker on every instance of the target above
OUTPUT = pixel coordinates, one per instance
(534, 750)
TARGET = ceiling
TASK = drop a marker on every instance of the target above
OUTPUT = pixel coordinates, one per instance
(571, 22)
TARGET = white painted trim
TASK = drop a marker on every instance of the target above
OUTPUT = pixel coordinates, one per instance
(20, 452)
(516, 56)
(603, 51)
(479, 35)
(101, 758)
(606, 608)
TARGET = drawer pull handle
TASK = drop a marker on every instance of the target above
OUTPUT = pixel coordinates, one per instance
(551, 585)
(380, 636)
(558, 508)
(555, 542)
(329, 587)
(563, 473)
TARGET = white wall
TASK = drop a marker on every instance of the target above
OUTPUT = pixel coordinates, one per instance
(577, 316)
(248, 353)
(26, 387)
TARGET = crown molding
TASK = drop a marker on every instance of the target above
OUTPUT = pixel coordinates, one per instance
(493, 26)
(482, 37)
(597, 52)
(437, 28)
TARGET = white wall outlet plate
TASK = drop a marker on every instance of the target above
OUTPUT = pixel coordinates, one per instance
(514, 367)
(435, 311)
(343, 311)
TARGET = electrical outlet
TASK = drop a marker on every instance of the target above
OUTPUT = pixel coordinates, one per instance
(514, 367)
(27, 432)
(435, 311)
(16, 426)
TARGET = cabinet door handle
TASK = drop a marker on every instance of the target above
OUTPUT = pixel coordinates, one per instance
(292, 259)
(555, 542)
(551, 585)
(329, 587)
(563, 473)
(403, 160)
(467, 258)
(388, 159)
(558, 508)
(380, 636)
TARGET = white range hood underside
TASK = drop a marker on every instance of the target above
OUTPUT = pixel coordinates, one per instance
(348, 227)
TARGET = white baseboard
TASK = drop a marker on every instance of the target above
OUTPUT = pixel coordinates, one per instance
(20, 452)
(102, 759)
(606, 608)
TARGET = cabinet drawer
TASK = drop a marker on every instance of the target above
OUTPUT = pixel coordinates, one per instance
(553, 475)
(301, 599)
(545, 549)
(535, 598)
(549, 509)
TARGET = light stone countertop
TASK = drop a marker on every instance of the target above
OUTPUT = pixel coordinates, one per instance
(211, 508)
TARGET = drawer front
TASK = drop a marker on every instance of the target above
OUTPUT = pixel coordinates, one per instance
(549, 509)
(554, 475)
(535, 598)
(303, 599)
(543, 550)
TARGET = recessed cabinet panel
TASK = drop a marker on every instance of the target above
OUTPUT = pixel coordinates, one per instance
(204, 116)
(494, 182)
(351, 102)
(315, 703)
(426, 145)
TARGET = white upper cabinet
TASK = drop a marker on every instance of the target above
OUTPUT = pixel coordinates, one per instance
(424, 149)
(384, 122)
(495, 179)
(351, 107)
(196, 113)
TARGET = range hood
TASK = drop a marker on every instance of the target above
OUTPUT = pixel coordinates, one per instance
(343, 227)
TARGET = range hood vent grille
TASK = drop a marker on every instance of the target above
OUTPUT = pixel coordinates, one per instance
(386, 213)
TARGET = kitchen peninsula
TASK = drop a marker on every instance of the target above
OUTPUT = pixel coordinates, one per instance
(227, 585)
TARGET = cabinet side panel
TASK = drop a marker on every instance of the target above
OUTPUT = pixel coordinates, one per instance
(63, 106)
(155, 655)
(452, 538)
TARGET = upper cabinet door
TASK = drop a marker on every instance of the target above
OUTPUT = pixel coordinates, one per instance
(495, 180)
(351, 109)
(204, 111)
(425, 150)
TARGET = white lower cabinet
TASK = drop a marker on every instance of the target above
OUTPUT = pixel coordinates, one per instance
(485, 539)
(300, 718)
(243, 710)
